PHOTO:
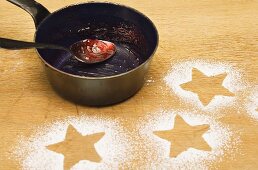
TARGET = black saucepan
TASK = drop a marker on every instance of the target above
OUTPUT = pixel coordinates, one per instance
(108, 82)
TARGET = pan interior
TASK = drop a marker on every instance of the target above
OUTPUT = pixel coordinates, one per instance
(124, 28)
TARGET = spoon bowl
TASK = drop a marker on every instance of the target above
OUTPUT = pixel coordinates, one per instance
(93, 51)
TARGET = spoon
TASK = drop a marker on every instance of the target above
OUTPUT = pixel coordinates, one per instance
(88, 51)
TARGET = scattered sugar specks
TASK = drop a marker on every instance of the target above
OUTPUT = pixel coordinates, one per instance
(252, 103)
(220, 138)
(149, 81)
(112, 147)
(16, 64)
(182, 73)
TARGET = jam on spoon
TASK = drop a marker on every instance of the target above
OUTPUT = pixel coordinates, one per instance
(93, 50)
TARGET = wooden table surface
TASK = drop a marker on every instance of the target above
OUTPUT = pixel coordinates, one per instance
(222, 31)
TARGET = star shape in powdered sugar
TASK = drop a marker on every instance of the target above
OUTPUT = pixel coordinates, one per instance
(184, 136)
(76, 147)
(206, 87)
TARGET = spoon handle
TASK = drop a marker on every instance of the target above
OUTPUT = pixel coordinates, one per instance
(15, 45)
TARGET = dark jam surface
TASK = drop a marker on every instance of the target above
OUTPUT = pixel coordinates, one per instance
(130, 45)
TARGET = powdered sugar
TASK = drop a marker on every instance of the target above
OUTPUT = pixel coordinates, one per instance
(32, 152)
(120, 147)
(182, 73)
(149, 81)
(220, 138)
(16, 63)
(252, 103)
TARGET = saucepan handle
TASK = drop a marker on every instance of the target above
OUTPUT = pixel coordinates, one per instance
(36, 10)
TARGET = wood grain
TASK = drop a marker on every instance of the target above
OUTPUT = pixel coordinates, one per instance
(222, 30)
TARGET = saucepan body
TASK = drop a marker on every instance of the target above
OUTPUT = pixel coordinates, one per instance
(105, 83)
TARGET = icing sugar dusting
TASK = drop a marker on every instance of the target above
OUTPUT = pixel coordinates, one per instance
(121, 147)
(16, 63)
(219, 137)
(149, 81)
(182, 73)
(33, 154)
(252, 104)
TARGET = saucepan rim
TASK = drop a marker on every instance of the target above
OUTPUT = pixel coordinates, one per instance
(104, 77)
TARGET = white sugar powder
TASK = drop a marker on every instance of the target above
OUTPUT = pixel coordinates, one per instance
(220, 138)
(33, 154)
(182, 73)
(149, 81)
(17, 62)
(252, 103)
(121, 147)
(13, 68)
(135, 148)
